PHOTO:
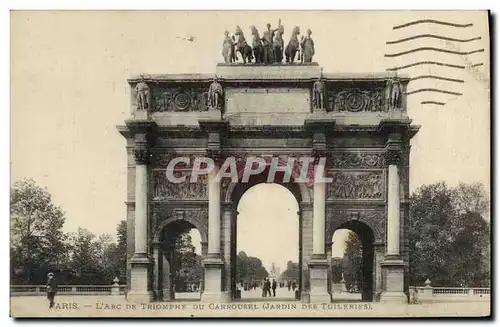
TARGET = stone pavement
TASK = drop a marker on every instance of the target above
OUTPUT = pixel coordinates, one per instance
(117, 306)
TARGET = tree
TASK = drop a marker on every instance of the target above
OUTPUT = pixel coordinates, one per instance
(292, 271)
(180, 253)
(121, 249)
(85, 257)
(249, 268)
(448, 235)
(351, 262)
(37, 240)
(336, 270)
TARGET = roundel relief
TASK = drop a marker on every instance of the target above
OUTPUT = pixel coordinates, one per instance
(181, 101)
(355, 102)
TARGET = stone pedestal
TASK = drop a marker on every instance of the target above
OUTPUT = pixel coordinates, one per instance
(343, 288)
(213, 280)
(318, 267)
(393, 267)
(141, 267)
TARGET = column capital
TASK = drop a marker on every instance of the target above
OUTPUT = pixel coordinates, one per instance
(216, 155)
(393, 156)
(142, 155)
(144, 135)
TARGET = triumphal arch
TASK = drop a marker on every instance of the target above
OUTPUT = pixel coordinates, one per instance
(356, 126)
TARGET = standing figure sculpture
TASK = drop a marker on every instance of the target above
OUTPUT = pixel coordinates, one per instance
(393, 95)
(319, 94)
(293, 45)
(307, 45)
(215, 94)
(242, 47)
(278, 43)
(228, 48)
(258, 49)
(267, 43)
(143, 95)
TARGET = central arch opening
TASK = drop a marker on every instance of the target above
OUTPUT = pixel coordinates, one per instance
(352, 263)
(267, 244)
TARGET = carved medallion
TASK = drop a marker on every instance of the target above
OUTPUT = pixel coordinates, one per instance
(179, 99)
(356, 185)
(356, 100)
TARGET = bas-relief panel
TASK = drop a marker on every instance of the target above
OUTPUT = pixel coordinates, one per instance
(356, 185)
(351, 99)
(179, 99)
(162, 189)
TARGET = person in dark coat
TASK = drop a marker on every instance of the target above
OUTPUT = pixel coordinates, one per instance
(51, 289)
(268, 286)
(274, 287)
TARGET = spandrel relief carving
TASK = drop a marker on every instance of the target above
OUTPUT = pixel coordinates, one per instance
(163, 189)
(356, 185)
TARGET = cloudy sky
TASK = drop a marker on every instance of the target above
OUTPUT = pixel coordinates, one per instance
(69, 91)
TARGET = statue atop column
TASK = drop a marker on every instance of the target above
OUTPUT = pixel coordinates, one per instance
(228, 48)
(307, 45)
(215, 95)
(318, 95)
(143, 95)
(394, 90)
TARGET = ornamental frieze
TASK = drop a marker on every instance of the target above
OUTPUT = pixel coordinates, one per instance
(356, 185)
(163, 189)
(163, 159)
(356, 160)
(356, 100)
(179, 99)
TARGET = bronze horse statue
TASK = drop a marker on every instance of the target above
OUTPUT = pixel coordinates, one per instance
(293, 46)
(242, 47)
(258, 49)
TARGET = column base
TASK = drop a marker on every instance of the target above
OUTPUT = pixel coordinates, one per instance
(393, 297)
(213, 279)
(139, 283)
(393, 266)
(140, 296)
(318, 267)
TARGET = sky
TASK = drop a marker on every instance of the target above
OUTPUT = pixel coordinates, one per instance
(69, 92)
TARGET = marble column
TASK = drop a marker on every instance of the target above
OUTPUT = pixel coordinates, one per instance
(213, 263)
(393, 219)
(393, 264)
(329, 263)
(318, 265)
(227, 217)
(141, 262)
(157, 271)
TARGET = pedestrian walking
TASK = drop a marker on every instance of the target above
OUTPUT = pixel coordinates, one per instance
(51, 289)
